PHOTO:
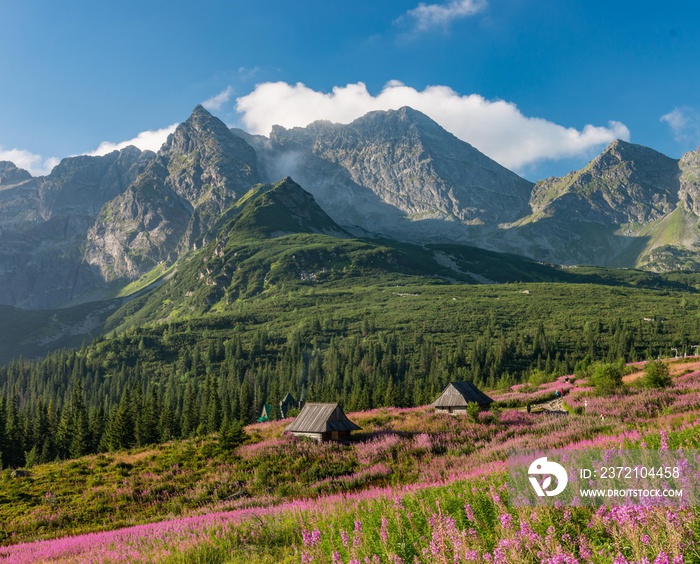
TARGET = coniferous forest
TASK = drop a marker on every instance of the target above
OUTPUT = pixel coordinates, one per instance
(194, 377)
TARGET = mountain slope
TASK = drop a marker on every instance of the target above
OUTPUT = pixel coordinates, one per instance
(628, 207)
(11, 174)
(97, 223)
(626, 183)
(690, 181)
(390, 166)
(199, 172)
(276, 241)
(276, 237)
(44, 221)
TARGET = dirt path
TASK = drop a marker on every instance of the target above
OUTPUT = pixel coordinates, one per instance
(553, 406)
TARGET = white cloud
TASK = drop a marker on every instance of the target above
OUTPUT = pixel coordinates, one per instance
(146, 141)
(685, 124)
(35, 164)
(429, 16)
(216, 102)
(495, 127)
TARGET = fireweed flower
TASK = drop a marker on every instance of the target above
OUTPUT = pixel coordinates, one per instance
(383, 530)
(469, 512)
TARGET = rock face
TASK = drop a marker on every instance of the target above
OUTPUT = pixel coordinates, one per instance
(43, 222)
(626, 183)
(631, 206)
(198, 173)
(690, 181)
(11, 174)
(390, 166)
(96, 220)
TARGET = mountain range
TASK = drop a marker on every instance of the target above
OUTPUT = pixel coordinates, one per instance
(100, 228)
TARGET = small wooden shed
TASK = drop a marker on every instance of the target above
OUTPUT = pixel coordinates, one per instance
(288, 403)
(267, 414)
(457, 395)
(323, 422)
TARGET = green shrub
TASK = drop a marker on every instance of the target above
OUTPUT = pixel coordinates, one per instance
(656, 375)
(473, 410)
(538, 377)
(606, 377)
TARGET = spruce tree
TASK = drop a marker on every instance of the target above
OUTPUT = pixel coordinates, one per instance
(120, 431)
(80, 440)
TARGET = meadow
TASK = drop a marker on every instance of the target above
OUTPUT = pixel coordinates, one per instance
(417, 486)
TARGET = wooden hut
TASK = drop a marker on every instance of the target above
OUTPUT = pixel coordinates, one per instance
(287, 404)
(457, 395)
(323, 422)
(268, 413)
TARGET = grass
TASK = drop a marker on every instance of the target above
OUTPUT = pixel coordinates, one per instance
(145, 280)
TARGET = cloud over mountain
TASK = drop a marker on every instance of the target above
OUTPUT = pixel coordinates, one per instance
(216, 102)
(150, 140)
(35, 164)
(685, 124)
(495, 127)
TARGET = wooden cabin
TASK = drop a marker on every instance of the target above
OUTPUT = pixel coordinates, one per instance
(287, 404)
(322, 422)
(457, 395)
(268, 413)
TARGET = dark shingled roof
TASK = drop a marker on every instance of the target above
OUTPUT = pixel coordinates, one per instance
(459, 394)
(289, 398)
(321, 418)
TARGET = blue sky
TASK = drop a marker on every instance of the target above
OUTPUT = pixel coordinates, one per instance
(540, 85)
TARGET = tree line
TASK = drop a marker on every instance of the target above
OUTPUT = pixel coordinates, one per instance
(179, 380)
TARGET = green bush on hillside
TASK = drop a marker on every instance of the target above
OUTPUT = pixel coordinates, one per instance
(473, 411)
(656, 375)
(606, 377)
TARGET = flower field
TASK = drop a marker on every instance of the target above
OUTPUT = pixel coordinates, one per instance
(418, 487)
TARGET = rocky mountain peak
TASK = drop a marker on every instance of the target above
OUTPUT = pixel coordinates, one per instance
(620, 151)
(204, 158)
(12, 174)
(202, 123)
(625, 183)
(388, 166)
(201, 170)
(403, 118)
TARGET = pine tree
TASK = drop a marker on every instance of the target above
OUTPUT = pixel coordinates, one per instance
(97, 427)
(80, 440)
(120, 431)
(14, 456)
(231, 436)
(213, 405)
(4, 442)
(147, 428)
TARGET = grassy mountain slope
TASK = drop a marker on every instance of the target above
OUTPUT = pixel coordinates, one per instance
(276, 240)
